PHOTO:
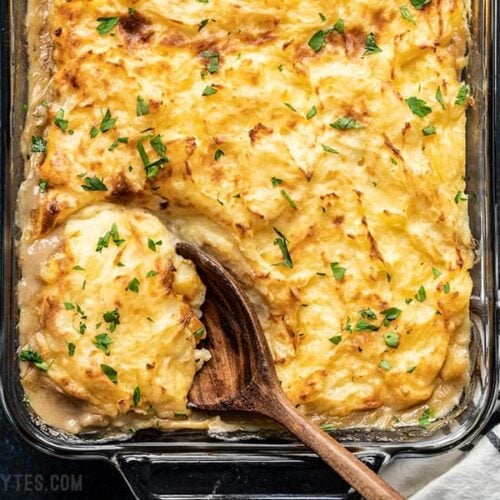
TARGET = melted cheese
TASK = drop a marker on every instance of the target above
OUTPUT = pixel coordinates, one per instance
(386, 205)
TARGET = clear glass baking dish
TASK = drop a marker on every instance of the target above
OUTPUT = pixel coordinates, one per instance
(192, 464)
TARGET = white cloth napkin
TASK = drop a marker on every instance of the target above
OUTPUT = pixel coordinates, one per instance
(457, 475)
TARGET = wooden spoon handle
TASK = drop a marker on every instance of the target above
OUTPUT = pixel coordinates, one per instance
(350, 468)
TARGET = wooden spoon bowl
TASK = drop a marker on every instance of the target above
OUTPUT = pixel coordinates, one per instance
(241, 375)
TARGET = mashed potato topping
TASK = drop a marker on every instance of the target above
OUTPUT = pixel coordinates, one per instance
(317, 148)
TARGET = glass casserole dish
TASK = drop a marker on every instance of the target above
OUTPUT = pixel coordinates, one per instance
(196, 461)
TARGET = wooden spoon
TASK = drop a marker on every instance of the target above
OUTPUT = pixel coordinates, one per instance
(241, 375)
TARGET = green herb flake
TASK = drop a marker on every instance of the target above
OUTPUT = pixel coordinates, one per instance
(213, 60)
(200, 333)
(328, 149)
(31, 356)
(38, 144)
(106, 24)
(282, 242)
(93, 184)
(111, 373)
(133, 286)
(112, 318)
(439, 98)
(136, 396)
(202, 24)
(346, 123)
(368, 313)
(406, 14)
(290, 106)
(418, 106)
(71, 349)
(364, 326)
(158, 146)
(421, 295)
(102, 342)
(337, 339)
(288, 198)
(142, 107)
(209, 90)
(276, 182)
(446, 288)
(462, 95)
(94, 132)
(460, 197)
(153, 244)
(338, 271)
(371, 46)
(60, 121)
(69, 306)
(152, 274)
(107, 123)
(426, 418)
(429, 130)
(391, 314)
(420, 4)
(218, 154)
(312, 113)
(43, 185)
(385, 365)
(436, 272)
(391, 339)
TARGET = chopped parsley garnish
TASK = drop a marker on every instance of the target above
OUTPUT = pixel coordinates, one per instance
(338, 271)
(93, 184)
(287, 197)
(152, 274)
(115, 144)
(385, 365)
(71, 349)
(153, 244)
(78, 268)
(419, 4)
(337, 339)
(421, 295)
(34, 357)
(429, 130)
(38, 144)
(213, 60)
(328, 149)
(136, 396)
(346, 123)
(111, 373)
(133, 286)
(94, 132)
(69, 306)
(43, 185)
(200, 333)
(60, 121)
(82, 328)
(113, 235)
(418, 106)
(446, 288)
(107, 123)
(106, 24)
(368, 314)
(390, 314)
(439, 98)
(318, 40)
(276, 182)
(152, 168)
(322, 16)
(371, 46)
(411, 369)
(158, 146)
(142, 107)
(290, 106)
(312, 113)
(202, 24)
(218, 154)
(406, 14)
(363, 326)
(282, 243)
(460, 197)
(113, 318)
(436, 272)
(209, 90)
(391, 339)
(426, 418)
(102, 342)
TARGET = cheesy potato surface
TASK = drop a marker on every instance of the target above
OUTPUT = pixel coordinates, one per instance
(317, 148)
